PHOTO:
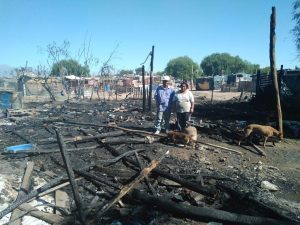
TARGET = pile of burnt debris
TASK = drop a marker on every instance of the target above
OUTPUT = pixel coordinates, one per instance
(101, 164)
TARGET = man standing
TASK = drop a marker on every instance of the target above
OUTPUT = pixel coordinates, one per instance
(163, 97)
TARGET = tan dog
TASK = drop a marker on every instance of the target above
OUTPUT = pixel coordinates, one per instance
(180, 138)
(192, 131)
(264, 131)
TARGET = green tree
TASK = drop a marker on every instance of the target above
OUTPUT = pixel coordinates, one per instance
(124, 72)
(296, 29)
(183, 68)
(139, 71)
(69, 66)
(265, 70)
(224, 63)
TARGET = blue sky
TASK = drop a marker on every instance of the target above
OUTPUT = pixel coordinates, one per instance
(194, 28)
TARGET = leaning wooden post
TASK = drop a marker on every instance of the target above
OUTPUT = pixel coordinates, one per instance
(144, 90)
(273, 67)
(151, 80)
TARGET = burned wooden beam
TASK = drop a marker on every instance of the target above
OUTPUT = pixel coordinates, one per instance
(93, 178)
(133, 184)
(205, 214)
(70, 175)
(112, 161)
(141, 165)
(206, 190)
(95, 137)
(21, 136)
(126, 140)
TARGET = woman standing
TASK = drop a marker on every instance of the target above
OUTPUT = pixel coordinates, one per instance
(184, 102)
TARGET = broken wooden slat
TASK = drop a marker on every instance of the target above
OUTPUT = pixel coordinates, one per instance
(47, 217)
(61, 200)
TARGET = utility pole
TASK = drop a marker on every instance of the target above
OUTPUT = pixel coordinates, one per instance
(151, 79)
(192, 77)
(144, 89)
(273, 67)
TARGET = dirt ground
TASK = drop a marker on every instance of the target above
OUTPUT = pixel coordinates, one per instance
(215, 123)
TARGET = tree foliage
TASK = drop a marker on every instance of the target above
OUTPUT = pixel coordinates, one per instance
(265, 70)
(139, 70)
(124, 72)
(183, 68)
(224, 63)
(296, 29)
(68, 67)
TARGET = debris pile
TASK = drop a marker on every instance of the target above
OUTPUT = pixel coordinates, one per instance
(100, 163)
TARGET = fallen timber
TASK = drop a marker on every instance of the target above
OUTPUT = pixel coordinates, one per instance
(143, 132)
(204, 213)
(264, 200)
(71, 175)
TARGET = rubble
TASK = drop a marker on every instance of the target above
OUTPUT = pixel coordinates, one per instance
(122, 174)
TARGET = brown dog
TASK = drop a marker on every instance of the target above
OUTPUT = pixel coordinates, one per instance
(264, 131)
(180, 138)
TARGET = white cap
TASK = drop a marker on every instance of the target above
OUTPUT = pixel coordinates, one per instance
(165, 78)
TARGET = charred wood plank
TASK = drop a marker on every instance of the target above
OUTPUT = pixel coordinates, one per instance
(112, 161)
(141, 165)
(21, 136)
(133, 184)
(204, 213)
(126, 140)
(79, 139)
(263, 200)
(91, 177)
(71, 175)
(205, 190)
(111, 126)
